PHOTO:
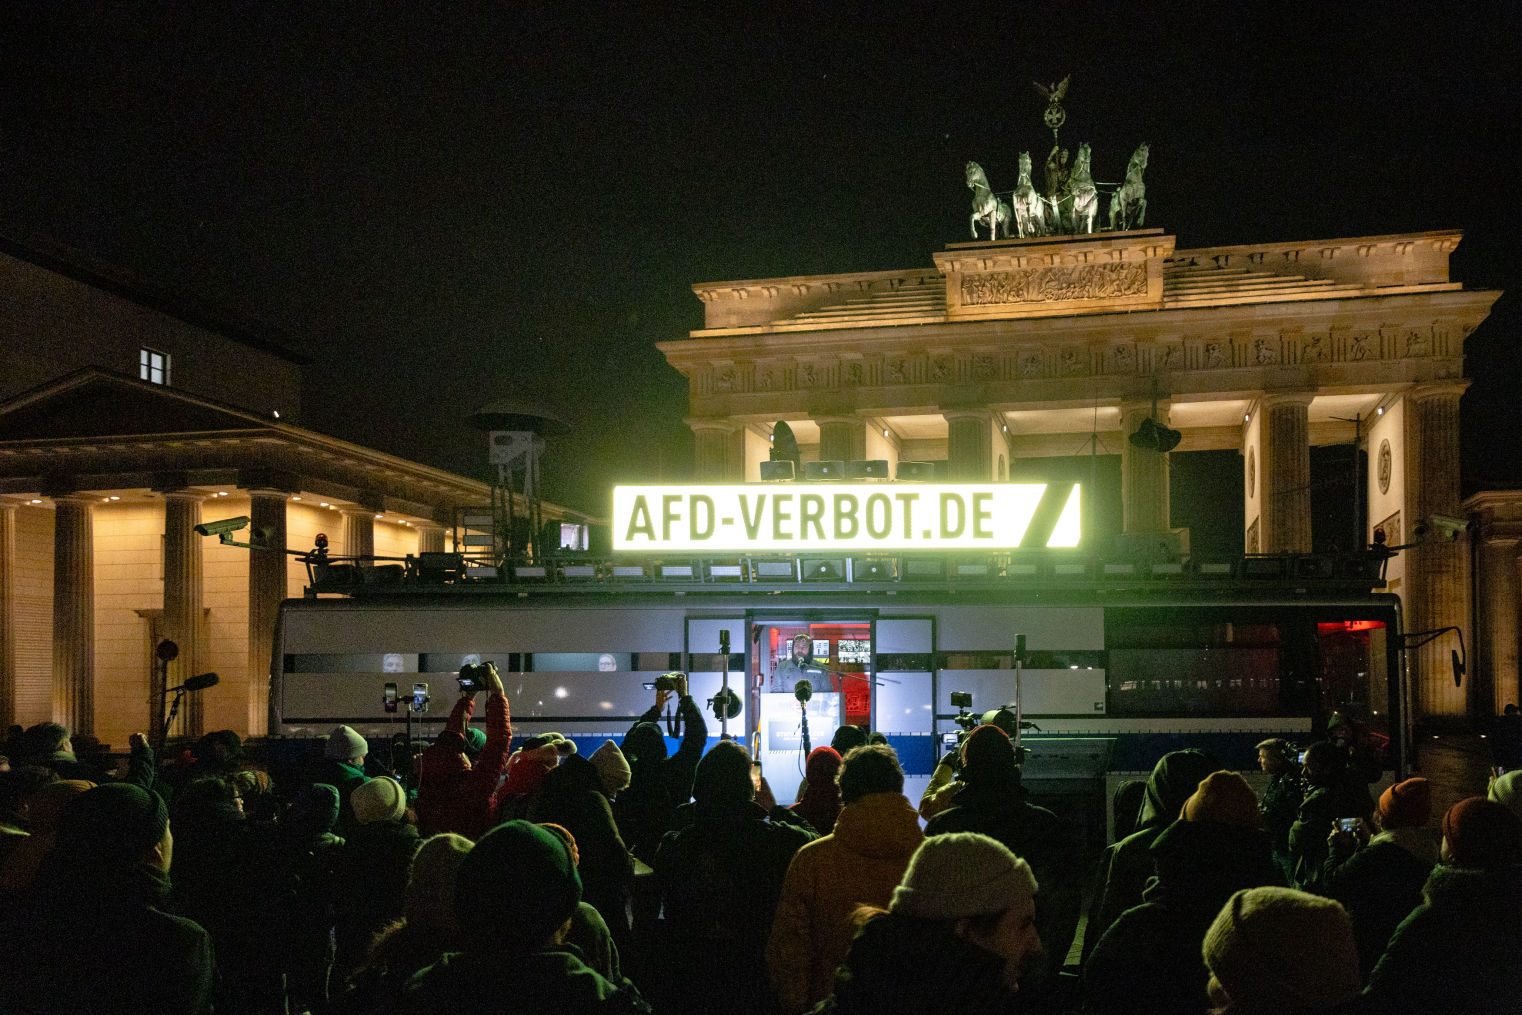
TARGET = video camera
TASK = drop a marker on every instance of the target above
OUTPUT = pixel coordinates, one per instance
(476, 676)
(1002, 717)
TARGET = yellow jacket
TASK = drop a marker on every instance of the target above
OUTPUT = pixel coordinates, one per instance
(860, 863)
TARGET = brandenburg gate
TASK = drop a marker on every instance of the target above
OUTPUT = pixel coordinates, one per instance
(1013, 348)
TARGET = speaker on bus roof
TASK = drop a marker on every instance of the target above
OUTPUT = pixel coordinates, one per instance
(776, 472)
(824, 472)
(916, 472)
(875, 468)
(870, 569)
(824, 569)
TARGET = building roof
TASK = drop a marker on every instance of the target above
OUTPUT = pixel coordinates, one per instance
(73, 263)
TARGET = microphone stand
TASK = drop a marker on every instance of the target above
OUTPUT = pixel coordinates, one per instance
(724, 686)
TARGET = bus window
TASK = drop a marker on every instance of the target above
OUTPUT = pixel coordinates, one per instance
(1193, 667)
(832, 657)
(1353, 664)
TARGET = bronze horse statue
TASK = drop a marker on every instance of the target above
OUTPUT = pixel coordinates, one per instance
(1128, 206)
(986, 206)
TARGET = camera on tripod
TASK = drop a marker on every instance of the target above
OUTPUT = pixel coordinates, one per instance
(1002, 717)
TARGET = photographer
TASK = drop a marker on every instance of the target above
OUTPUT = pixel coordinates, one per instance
(455, 790)
(658, 784)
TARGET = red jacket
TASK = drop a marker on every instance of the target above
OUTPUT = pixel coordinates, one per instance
(454, 795)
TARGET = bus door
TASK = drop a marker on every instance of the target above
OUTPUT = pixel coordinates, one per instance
(809, 665)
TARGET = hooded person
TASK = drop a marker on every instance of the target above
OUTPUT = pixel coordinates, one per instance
(1457, 950)
(1281, 951)
(965, 908)
(589, 933)
(859, 863)
(95, 933)
(612, 768)
(50, 745)
(307, 852)
(1148, 961)
(458, 773)
(820, 803)
(521, 888)
(1379, 882)
(573, 796)
(720, 876)
(1506, 790)
(658, 784)
(993, 802)
(1125, 866)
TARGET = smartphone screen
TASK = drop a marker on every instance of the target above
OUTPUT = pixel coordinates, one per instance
(1347, 824)
(390, 694)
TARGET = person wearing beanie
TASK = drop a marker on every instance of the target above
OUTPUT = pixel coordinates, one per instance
(44, 806)
(859, 863)
(1457, 950)
(589, 932)
(612, 768)
(992, 802)
(1379, 880)
(1126, 865)
(965, 911)
(1148, 961)
(458, 773)
(573, 796)
(426, 931)
(1280, 951)
(342, 767)
(370, 876)
(1506, 790)
(526, 770)
(521, 888)
(720, 877)
(820, 803)
(658, 784)
(95, 931)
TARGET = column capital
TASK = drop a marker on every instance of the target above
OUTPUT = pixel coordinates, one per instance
(187, 496)
(1274, 399)
(1436, 389)
(82, 499)
(710, 425)
(949, 413)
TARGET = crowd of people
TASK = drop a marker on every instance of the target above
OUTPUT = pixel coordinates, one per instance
(637, 879)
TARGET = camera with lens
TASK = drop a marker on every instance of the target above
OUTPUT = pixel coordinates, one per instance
(1002, 717)
(675, 681)
(475, 676)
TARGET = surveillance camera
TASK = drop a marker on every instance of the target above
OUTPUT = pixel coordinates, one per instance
(225, 527)
(1448, 527)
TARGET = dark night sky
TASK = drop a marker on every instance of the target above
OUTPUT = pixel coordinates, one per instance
(447, 203)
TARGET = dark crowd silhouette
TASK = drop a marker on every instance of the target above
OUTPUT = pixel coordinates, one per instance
(483, 878)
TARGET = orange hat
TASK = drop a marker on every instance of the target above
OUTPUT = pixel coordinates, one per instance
(1224, 797)
(1406, 804)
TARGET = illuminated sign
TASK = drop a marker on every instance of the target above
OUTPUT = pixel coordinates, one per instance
(846, 516)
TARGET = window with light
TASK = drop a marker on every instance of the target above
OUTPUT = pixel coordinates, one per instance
(153, 366)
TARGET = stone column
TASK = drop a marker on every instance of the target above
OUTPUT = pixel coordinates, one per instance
(7, 615)
(714, 450)
(430, 538)
(1285, 472)
(1437, 585)
(968, 446)
(1143, 473)
(840, 438)
(359, 533)
(266, 588)
(1495, 647)
(74, 613)
(184, 597)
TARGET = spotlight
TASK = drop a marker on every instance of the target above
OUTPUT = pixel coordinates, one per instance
(775, 472)
(822, 472)
(916, 472)
(875, 468)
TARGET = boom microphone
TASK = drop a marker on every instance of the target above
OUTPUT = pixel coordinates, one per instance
(199, 682)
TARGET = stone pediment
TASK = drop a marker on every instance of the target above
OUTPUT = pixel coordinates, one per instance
(94, 403)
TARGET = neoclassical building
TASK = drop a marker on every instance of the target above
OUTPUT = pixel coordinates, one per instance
(1015, 349)
(126, 419)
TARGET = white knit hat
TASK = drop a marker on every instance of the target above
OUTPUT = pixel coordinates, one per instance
(962, 874)
(1283, 950)
(380, 799)
(612, 767)
(343, 744)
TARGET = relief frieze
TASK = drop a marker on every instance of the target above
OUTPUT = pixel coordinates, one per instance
(1055, 283)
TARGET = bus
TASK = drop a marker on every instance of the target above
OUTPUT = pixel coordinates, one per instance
(1121, 663)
